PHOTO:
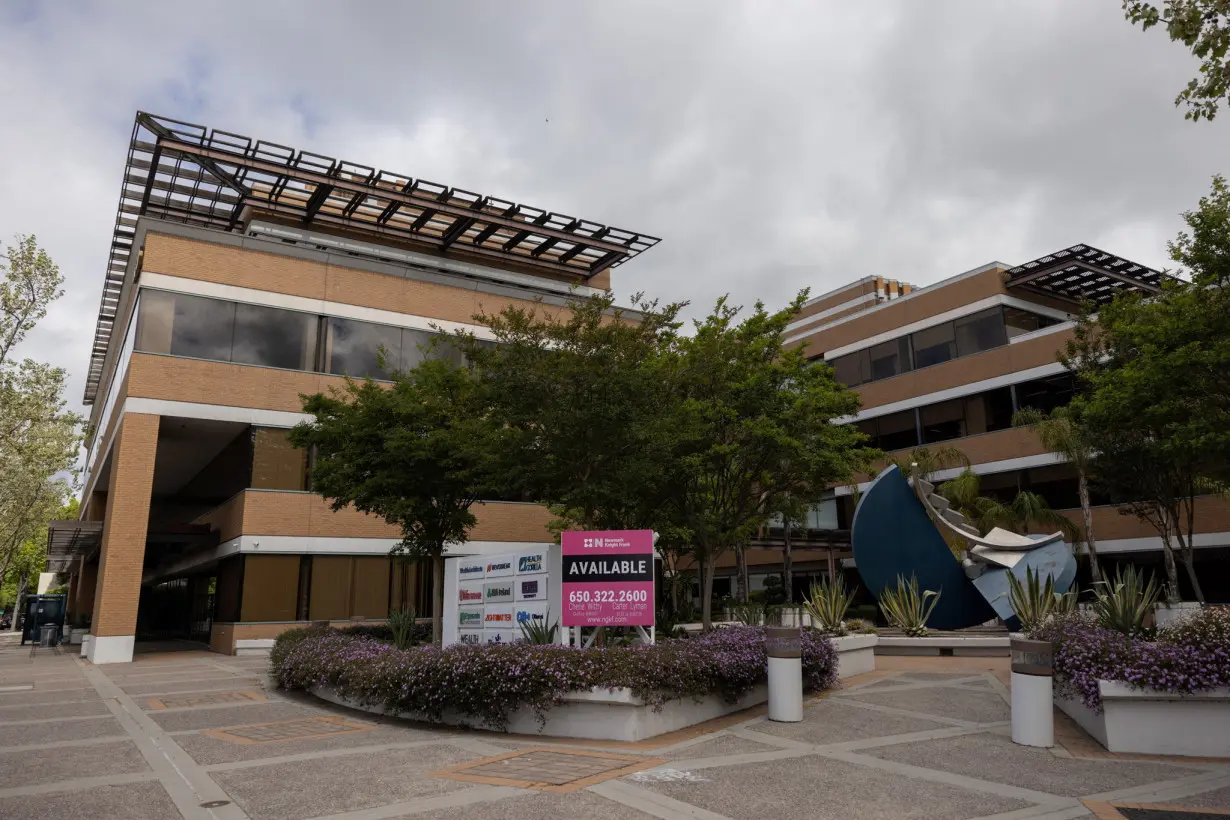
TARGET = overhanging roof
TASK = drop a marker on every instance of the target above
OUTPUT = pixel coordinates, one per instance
(1083, 273)
(211, 178)
(68, 540)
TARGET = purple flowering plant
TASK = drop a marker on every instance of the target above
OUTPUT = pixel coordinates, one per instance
(490, 682)
(1191, 656)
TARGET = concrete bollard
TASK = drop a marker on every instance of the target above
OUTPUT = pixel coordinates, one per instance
(785, 651)
(1033, 719)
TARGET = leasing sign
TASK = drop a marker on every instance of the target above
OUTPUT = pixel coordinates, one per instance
(608, 578)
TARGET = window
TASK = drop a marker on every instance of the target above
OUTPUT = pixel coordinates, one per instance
(895, 431)
(944, 421)
(1018, 322)
(853, 369)
(354, 349)
(979, 332)
(183, 325)
(890, 358)
(1046, 394)
(934, 345)
(274, 338)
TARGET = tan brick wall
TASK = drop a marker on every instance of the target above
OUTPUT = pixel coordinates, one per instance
(901, 312)
(1015, 442)
(840, 298)
(227, 519)
(1000, 361)
(205, 261)
(233, 385)
(309, 515)
(124, 531)
(1212, 515)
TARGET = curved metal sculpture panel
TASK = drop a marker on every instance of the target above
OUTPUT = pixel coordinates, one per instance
(893, 535)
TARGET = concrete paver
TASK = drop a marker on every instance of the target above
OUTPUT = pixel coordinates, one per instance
(924, 738)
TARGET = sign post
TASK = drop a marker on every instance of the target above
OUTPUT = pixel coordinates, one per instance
(607, 578)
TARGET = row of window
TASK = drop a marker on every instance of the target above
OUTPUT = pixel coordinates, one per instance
(966, 336)
(199, 327)
(969, 416)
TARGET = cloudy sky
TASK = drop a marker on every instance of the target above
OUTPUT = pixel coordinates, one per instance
(773, 146)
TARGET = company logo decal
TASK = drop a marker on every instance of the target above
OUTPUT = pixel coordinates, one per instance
(529, 563)
(529, 588)
(470, 595)
(498, 618)
(470, 569)
(469, 617)
(500, 567)
(472, 638)
(496, 591)
(526, 617)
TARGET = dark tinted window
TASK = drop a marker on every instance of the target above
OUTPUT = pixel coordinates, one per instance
(895, 431)
(853, 369)
(1046, 394)
(997, 407)
(1019, 322)
(934, 345)
(354, 348)
(202, 328)
(890, 358)
(414, 347)
(276, 338)
(943, 421)
(979, 332)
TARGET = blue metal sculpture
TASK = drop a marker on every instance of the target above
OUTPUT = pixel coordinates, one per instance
(896, 531)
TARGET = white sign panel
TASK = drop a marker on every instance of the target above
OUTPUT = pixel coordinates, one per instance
(531, 587)
(471, 569)
(472, 637)
(532, 563)
(501, 566)
(529, 613)
(470, 617)
(488, 597)
(498, 617)
(499, 636)
(470, 593)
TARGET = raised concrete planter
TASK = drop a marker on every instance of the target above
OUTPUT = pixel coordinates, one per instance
(986, 646)
(856, 654)
(254, 646)
(1163, 615)
(1151, 722)
(595, 715)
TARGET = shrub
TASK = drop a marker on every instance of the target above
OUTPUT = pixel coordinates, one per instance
(827, 604)
(1034, 601)
(859, 626)
(1182, 662)
(907, 609)
(1208, 627)
(1124, 603)
(489, 682)
(539, 632)
(401, 625)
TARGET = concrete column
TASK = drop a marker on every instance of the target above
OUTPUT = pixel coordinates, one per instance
(123, 540)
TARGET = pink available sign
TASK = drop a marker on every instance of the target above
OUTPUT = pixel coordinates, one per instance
(608, 578)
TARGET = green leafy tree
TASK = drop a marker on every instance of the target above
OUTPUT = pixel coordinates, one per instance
(27, 560)
(754, 426)
(1025, 511)
(39, 437)
(1203, 26)
(1060, 433)
(581, 394)
(417, 453)
(1154, 379)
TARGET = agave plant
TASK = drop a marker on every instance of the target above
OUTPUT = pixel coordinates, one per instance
(1123, 603)
(827, 603)
(750, 613)
(1034, 601)
(401, 622)
(539, 631)
(908, 609)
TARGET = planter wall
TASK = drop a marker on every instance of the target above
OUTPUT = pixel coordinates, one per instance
(994, 647)
(595, 715)
(856, 654)
(1151, 722)
(1163, 615)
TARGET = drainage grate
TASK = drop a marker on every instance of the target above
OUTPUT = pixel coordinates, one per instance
(300, 729)
(211, 699)
(548, 769)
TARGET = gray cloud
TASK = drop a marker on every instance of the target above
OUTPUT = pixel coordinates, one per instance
(772, 146)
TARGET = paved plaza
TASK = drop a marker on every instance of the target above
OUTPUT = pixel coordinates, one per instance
(197, 735)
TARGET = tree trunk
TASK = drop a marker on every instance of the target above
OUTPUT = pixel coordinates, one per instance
(787, 565)
(707, 568)
(437, 599)
(741, 574)
(832, 567)
(19, 603)
(1172, 572)
(1087, 516)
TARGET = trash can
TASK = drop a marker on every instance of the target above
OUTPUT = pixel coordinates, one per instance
(785, 651)
(48, 634)
(1033, 719)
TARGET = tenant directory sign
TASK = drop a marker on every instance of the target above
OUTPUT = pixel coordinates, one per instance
(494, 596)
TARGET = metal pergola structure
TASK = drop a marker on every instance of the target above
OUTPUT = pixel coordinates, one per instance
(1083, 273)
(69, 540)
(211, 179)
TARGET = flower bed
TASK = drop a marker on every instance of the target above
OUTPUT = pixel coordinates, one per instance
(489, 683)
(1192, 655)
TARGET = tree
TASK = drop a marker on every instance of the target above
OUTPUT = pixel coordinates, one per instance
(30, 556)
(417, 453)
(39, 438)
(1060, 433)
(581, 395)
(754, 425)
(1204, 27)
(1025, 511)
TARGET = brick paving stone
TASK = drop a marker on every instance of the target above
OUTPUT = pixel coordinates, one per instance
(204, 699)
(289, 730)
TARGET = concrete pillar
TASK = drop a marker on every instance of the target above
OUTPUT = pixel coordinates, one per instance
(123, 540)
